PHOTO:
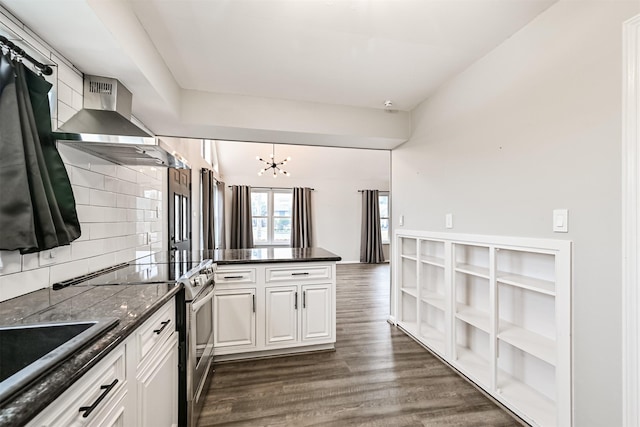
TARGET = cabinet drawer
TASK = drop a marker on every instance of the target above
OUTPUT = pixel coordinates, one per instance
(240, 275)
(298, 274)
(97, 393)
(156, 330)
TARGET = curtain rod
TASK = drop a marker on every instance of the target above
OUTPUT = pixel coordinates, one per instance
(275, 188)
(44, 68)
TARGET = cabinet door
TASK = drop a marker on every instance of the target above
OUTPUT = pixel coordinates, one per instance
(234, 318)
(158, 385)
(281, 315)
(316, 313)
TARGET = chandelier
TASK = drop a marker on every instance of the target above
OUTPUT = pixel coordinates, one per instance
(272, 164)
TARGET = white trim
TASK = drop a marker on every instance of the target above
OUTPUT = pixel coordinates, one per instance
(630, 222)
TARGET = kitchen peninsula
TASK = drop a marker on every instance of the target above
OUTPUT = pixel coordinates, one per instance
(272, 301)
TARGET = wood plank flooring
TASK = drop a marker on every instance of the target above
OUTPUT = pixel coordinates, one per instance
(376, 377)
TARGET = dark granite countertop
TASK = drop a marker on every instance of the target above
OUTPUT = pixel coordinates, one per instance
(131, 304)
(270, 255)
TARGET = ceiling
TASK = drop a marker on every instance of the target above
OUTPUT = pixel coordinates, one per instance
(277, 70)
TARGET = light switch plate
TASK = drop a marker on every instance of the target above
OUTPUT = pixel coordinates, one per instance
(448, 220)
(560, 221)
(401, 220)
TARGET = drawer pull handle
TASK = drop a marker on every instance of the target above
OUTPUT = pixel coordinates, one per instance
(233, 277)
(89, 409)
(164, 325)
(306, 273)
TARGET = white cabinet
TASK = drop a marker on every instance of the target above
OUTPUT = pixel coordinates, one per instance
(317, 306)
(157, 394)
(281, 315)
(290, 309)
(156, 361)
(296, 314)
(497, 309)
(234, 318)
(97, 399)
(136, 384)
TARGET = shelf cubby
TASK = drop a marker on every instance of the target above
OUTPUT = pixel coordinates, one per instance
(432, 326)
(432, 252)
(527, 383)
(472, 353)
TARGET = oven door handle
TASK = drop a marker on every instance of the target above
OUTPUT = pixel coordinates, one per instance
(195, 306)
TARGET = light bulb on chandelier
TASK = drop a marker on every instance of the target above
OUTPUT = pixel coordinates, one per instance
(272, 164)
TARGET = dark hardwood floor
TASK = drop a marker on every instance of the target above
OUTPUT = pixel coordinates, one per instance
(376, 377)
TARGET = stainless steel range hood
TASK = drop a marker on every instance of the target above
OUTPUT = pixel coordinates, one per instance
(104, 128)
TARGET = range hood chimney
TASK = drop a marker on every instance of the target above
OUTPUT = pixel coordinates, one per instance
(104, 128)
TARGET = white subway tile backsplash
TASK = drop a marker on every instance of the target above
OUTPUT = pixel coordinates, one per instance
(127, 174)
(65, 94)
(65, 112)
(103, 167)
(81, 194)
(73, 157)
(70, 77)
(102, 261)
(68, 270)
(30, 261)
(76, 102)
(14, 285)
(126, 201)
(11, 262)
(87, 178)
(102, 198)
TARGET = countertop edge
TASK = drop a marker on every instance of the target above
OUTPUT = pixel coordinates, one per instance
(26, 405)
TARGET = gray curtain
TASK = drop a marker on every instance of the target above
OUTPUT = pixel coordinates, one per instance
(220, 238)
(301, 218)
(208, 209)
(37, 210)
(241, 229)
(371, 237)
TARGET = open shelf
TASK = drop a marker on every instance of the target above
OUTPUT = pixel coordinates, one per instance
(410, 257)
(410, 291)
(473, 316)
(535, 344)
(526, 401)
(434, 299)
(432, 260)
(473, 366)
(434, 338)
(538, 285)
(473, 270)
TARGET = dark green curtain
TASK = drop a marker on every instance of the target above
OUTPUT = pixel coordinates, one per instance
(41, 207)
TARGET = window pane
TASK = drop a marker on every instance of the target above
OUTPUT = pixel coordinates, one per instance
(259, 204)
(281, 230)
(384, 230)
(176, 217)
(282, 204)
(384, 206)
(260, 231)
(185, 218)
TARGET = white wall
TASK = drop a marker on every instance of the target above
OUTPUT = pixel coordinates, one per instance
(119, 208)
(336, 174)
(533, 126)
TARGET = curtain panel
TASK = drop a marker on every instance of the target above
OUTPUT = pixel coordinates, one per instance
(220, 235)
(241, 228)
(37, 211)
(208, 209)
(371, 237)
(301, 228)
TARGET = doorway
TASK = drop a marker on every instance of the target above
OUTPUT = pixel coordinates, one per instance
(179, 209)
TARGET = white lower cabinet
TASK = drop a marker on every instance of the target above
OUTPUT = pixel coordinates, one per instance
(126, 389)
(234, 320)
(295, 314)
(498, 309)
(291, 307)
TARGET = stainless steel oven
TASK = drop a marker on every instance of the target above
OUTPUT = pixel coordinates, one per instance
(199, 338)
(199, 329)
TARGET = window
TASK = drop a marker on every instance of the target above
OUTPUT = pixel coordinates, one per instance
(271, 216)
(383, 203)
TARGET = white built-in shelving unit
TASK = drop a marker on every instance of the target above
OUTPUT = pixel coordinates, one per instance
(497, 309)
